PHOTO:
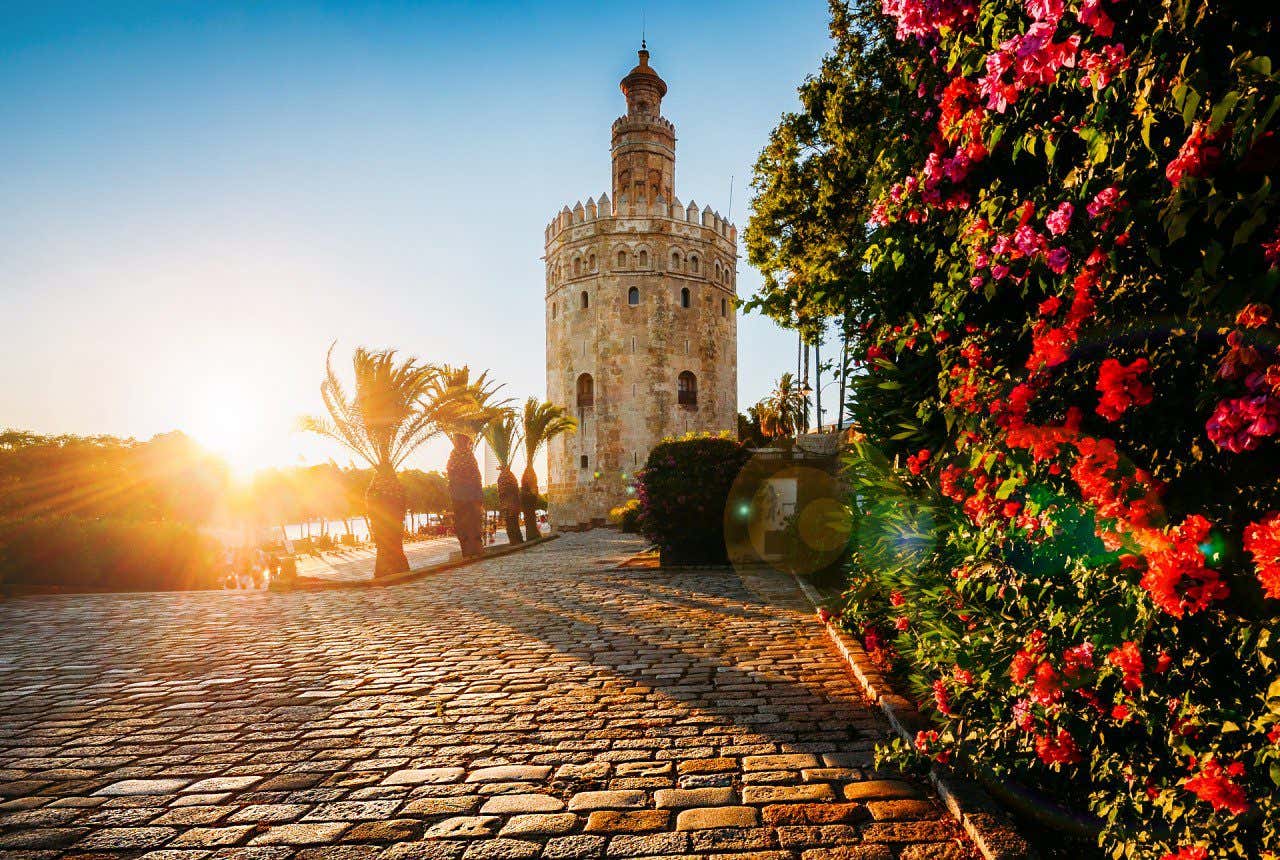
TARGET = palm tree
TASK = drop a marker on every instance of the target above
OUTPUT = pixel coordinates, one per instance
(383, 422)
(467, 408)
(503, 437)
(782, 412)
(542, 422)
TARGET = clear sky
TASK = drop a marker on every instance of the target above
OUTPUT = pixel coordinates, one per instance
(196, 198)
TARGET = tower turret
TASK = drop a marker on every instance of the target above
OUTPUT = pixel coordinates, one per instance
(641, 316)
(644, 143)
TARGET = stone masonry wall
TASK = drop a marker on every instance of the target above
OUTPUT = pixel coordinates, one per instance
(635, 354)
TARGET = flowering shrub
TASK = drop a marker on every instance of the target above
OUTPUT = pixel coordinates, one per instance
(683, 490)
(1069, 535)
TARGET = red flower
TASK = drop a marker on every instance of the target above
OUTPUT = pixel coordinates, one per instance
(1047, 689)
(902, 624)
(1254, 315)
(1128, 659)
(1077, 660)
(1188, 852)
(942, 697)
(1216, 786)
(1199, 154)
(1177, 578)
(1262, 541)
(1059, 749)
(915, 463)
(1121, 387)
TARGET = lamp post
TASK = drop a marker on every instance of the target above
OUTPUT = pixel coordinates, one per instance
(806, 392)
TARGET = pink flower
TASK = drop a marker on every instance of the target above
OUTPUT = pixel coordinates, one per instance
(1091, 15)
(1060, 219)
(1058, 260)
(1106, 200)
(1240, 424)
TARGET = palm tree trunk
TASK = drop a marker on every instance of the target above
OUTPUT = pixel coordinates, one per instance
(467, 493)
(529, 503)
(385, 502)
(509, 502)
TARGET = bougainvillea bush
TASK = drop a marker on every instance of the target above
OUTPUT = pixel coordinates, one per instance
(1071, 541)
(683, 489)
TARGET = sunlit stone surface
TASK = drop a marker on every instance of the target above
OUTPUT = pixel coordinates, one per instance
(538, 705)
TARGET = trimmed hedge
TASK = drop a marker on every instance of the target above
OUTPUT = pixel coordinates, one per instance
(683, 490)
(106, 555)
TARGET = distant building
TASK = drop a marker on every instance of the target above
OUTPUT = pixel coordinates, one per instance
(641, 315)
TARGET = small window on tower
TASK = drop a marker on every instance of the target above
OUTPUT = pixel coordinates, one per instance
(583, 462)
(622, 259)
(593, 262)
(693, 264)
(553, 310)
(644, 259)
(675, 261)
(687, 389)
(684, 297)
(586, 391)
(724, 307)
(577, 266)
(633, 296)
(586, 300)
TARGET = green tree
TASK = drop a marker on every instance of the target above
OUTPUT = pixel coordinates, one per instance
(503, 438)
(540, 422)
(782, 412)
(383, 421)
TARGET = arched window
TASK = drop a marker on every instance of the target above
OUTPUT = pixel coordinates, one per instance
(644, 259)
(593, 262)
(675, 261)
(717, 270)
(577, 266)
(724, 307)
(586, 391)
(687, 389)
(684, 297)
(622, 259)
(633, 296)
(586, 300)
(693, 264)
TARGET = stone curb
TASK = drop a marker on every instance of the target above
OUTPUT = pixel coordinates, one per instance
(412, 575)
(982, 818)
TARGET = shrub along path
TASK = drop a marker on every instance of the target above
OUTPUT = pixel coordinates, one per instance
(538, 705)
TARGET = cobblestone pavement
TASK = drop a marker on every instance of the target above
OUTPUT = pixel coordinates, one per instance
(352, 565)
(537, 705)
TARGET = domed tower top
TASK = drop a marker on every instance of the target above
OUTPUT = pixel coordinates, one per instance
(644, 88)
(644, 143)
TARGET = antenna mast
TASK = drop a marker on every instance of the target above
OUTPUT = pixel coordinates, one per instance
(729, 216)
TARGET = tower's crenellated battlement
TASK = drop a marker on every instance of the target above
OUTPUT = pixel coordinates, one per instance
(641, 314)
(603, 208)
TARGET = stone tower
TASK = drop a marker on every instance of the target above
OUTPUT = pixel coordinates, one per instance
(641, 316)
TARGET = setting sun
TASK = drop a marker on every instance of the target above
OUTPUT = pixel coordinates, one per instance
(229, 419)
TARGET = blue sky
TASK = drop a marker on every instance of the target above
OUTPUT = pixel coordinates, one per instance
(196, 198)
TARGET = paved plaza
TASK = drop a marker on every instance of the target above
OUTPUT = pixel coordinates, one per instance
(537, 705)
(353, 564)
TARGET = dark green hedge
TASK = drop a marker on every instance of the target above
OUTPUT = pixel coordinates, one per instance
(683, 490)
(105, 555)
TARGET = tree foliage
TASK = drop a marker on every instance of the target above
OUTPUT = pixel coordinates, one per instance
(1053, 226)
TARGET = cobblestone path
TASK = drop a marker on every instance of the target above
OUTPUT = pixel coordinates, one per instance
(539, 705)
